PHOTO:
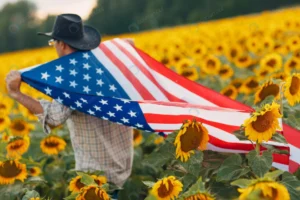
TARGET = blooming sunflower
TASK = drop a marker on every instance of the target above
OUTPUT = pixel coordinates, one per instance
(262, 73)
(4, 122)
(279, 75)
(237, 83)
(273, 61)
(190, 73)
(220, 48)
(76, 185)
(100, 180)
(293, 64)
(92, 193)
(243, 61)
(12, 170)
(192, 135)
(292, 89)
(233, 52)
(198, 50)
(158, 140)
(266, 189)
(293, 43)
(34, 171)
(211, 65)
(263, 124)
(267, 89)
(230, 91)
(167, 188)
(17, 147)
(52, 145)
(137, 137)
(19, 127)
(200, 196)
(6, 104)
(5, 137)
(249, 86)
(225, 72)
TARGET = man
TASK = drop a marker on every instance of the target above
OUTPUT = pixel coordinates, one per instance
(98, 144)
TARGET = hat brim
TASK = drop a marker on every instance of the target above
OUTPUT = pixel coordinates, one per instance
(90, 40)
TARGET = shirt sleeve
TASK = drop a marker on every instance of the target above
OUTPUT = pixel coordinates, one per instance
(54, 114)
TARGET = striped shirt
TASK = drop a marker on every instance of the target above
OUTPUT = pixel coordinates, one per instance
(98, 144)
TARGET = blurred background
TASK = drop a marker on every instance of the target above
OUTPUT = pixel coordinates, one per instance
(20, 20)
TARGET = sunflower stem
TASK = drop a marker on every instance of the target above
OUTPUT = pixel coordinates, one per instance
(257, 148)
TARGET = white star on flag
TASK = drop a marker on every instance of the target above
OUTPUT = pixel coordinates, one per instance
(73, 84)
(99, 93)
(125, 120)
(125, 100)
(78, 104)
(86, 77)
(118, 108)
(139, 125)
(103, 102)
(112, 87)
(86, 66)
(83, 100)
(48, 91)
(132, 114)
(59, 100)
(59, 68)
(58, 79)
(86, 55)
(97, 108)
(66, 95)
(45, 76)
(86, 89)
(100, 82)
(91, 112)
(111, 114)
(73, 72)
(73, 61)
(99, 71)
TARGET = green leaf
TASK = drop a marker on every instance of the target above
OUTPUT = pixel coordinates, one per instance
(105, 186)
(86, 179)
(150, 197)
(291, 183)
(274, 150)
(72, 196)
(149, 183)
(232, 169)
(260, 164)
(241, 183)
(30, 194)
(240, 134)
(187, 180)
(195, 188)
(277, 137)
(35, 180)
(193, 165)
(273, 175)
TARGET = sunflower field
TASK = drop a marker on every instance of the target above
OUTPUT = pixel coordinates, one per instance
(253, 59)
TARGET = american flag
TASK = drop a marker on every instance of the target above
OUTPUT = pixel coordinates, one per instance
(120, 83)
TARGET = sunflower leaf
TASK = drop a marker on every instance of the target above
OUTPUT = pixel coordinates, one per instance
(30, 194)
(273, 175)
(277, 137)
(149, 184)
(86, 179)
(242, 183)
(292, 184)
(72, 196)
(260, 164)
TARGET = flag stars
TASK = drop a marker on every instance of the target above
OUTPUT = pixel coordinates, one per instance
(99, 93)
(78, 104)
(66, 95)
(59, 100)
(86, 77)
(132, 114)
(73, 72)
(118, 108)
(45, 76)
(73, 61)
(86, 66)
(103, 102)
(125, 101)
(86, 55)
(97, 108)
(59, 79)
(73, 84)
(125, 120)
(91, 112)
(99, 71)
(112, 87)
(86, 89)
(139, 125)
(48, 91)
(111, 114)
(83, 100)
(59, 68)
(100, 82)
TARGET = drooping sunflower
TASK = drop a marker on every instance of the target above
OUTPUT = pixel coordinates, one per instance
(192, 135)
(225, 72)
(266, 190)
(200, 196)
(100, 180)
(92, 193)
(190, 73)
(52, 145)
(273, 61)
(230, 91)
(269, 88)
(19, 127)
(75, 184)
(250, 85)
(4, 122)
(243, 61)
(211, 65)
(167, 188)
(34, 171)
(17, 147)
(292, 65)
(12, 170)
(263, 123)
(292, 89)
(137, 137)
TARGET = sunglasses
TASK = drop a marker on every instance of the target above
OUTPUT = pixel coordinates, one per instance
(52, 42)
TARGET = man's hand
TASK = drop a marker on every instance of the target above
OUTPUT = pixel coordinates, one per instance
(13, 83)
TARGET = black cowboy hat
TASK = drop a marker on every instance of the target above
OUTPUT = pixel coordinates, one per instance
(70, 29)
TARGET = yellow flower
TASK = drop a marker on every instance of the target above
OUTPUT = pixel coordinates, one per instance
(76, 185)
(267, 89)
(35, 171)
(262, 73)
(12, 170)
(226, 72)
(17, 147)
(92, 193)
(100, 180)
(280, 75)
(158, 140)
(167, 188)
(190, 73)
(263, 124)
(243, 61)
(4, 122)
(19, 127)
(200, 196)
(273, 61)
(198, 50)
(237, 83)
(293, 64)
(35, 198)
(292, 89)
(5, 137)
(211, 65)
(270, 190)
(192, 135)
(137, 137)
(293, 43)
(233, 52)
(6, 104)
(52, 145)
(249, 86)
(230, 91)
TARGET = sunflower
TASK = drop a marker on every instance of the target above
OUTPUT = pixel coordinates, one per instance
(12, 170)
(263, 124)
(211, 65)
(279, 75)
(92, 193)
(167, 188)
(4, 122)
(5, 137)
(52, 145)
(19, 127)
(233, 52)
(292, 89)
(267, 89)
(100, 180)
(293, 64)
(254, 45)
(34, 171)
(226, 72)
(158, 140)
(76, 185)
(281, 49)
(237, 83)
(192, 135)
(268, 44)
(190, 73)
(200, 196)
(262, 73)
(198, 50)
(137, 137)
(273, 61)
(293, 43)
(220, 49)
(243, 61)
(266, 190)
(6, 104)
(249, 86)
(230, 91)
(17, 147)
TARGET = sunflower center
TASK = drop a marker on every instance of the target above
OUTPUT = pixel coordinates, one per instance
(187, 73)
(198, 51)
(32, 171)
(292, 64)
(295, 85)
(233, 53)
(211, 64)
(2, 106)
(220, 48)
(91, 195)
(1, 120)
(271, 63)
(51, 144)
(16, 146)
(136, 134)
(264, 73)
(176, 58)
(78, 184)
(237, 85)
(228, 93)
(263, 122)
(19, 126)
(191, 139)
(243, 59)
(223, 71)
(163, 191)
(165, 61)
(9, 170)
(272, 89)
(252, 84)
